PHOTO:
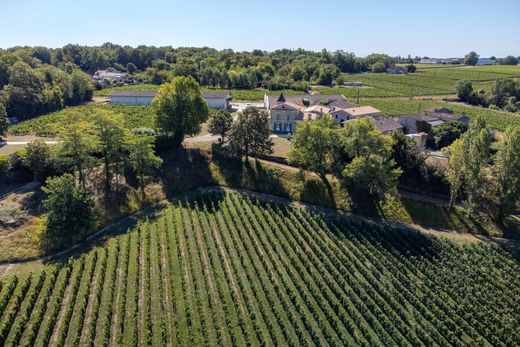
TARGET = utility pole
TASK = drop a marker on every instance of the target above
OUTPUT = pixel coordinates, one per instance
(357, 96)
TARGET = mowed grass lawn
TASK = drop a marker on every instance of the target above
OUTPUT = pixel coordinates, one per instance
(227, 269)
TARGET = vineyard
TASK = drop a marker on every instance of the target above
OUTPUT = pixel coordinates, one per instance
(428, 80)
(227, 269)
(135, 116)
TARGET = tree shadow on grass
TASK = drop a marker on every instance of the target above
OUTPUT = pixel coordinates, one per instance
(317, 193)
(184, 170)
(246, 174)
(365, 204)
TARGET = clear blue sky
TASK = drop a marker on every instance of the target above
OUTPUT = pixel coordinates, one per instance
(438, 28)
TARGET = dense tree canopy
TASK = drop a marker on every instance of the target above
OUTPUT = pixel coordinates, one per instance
(220, 123)
(509, 60)
(506, 170)
(250, 134)
(142, 158)
(446, 133)
(475, 147)
(70, 213)
(369, 165)
(504, 94)
(38, 159)
(29, 88)
(471, 58)
(312, 147)
(4, 122)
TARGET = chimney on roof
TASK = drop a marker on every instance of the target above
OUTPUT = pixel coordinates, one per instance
(281, 98)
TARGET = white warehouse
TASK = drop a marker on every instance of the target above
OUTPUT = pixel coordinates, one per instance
(131, 97)
(218, 100)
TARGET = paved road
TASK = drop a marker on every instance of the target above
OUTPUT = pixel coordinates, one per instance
(11, 144)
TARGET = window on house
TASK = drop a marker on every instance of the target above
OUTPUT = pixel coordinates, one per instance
(288, 117)
(277, 116)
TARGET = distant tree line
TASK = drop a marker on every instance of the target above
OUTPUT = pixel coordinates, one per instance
(504, 94)
(30, 86)
(210, 67)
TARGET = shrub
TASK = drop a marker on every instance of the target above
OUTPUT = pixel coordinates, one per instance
(379, 67)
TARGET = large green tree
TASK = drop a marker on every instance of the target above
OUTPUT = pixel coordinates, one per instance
(408, 156)
(476, 149)
(506, 172)
(143, 159)
(38, 159)
(220, 123)
(112, 141)
(445, 134)
(250, 134)
(464, 90)
(312, 147)
(24, 93)
(455, 170)
(4, 122)
(180, 108)
(503, 90)
(78, 145)
(70, 214)
(509, 60)
(370, 166)
(471, 58)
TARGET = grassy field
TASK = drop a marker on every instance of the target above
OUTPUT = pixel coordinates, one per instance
(135, 116)
(231, 270)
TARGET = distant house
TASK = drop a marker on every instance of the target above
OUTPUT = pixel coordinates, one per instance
(440, 61)
(218, 100)
(416, 123)
(486, 61)
(430, 61)
(396, 70)
(387, 125)
(131, 97)
(110, 74)
(341, 115)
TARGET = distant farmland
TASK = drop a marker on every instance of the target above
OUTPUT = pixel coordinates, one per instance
(230, 270)
(433, 80)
